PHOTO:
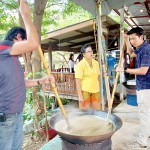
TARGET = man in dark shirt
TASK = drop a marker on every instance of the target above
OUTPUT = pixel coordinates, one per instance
(142, 72)
(12, 83)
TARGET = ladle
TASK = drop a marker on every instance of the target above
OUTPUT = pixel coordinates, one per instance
(54, 88)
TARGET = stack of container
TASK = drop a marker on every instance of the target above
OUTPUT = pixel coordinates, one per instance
(131, 97)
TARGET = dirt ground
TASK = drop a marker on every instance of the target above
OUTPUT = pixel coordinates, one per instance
(30, 144)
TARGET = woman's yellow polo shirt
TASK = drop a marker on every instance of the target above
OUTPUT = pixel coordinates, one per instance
(88, 75)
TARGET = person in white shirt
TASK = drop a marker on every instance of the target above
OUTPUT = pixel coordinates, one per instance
(71, 63)
(79, 58)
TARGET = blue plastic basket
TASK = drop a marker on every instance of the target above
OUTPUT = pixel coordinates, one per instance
(131, 100)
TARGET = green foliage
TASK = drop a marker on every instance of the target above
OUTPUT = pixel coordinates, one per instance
(2, 36)
(64, 101)
(58, 13)
(29, 112)
(32, 75)
(49, 99)
(43, 119)
(71, 8)
(8, 15)
(62, 14)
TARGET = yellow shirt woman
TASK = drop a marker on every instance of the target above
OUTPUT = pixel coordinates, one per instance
(88, 75)
(87, 80)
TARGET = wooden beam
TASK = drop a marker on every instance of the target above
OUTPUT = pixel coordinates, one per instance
(147, 8)
(124, 18)
(113, 27)
(73, 38)
(56, 47)
(140, 16)
(146, 4)
(142, 25)
(130, 18)
(82, 43)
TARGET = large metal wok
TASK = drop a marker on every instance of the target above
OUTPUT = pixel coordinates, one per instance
(116, 121)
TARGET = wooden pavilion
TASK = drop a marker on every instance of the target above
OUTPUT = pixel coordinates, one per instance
(71, 39)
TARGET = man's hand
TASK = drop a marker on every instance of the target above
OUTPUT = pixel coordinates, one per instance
(24, 8)
(47, 80)
(32, 41)
(125, 35)
(119, 69)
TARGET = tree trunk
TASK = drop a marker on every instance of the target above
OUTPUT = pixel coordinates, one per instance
(39, 7)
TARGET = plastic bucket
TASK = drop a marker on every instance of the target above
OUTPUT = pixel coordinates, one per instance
(131, 100)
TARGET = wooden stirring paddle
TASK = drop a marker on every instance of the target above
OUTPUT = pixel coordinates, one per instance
(116, 80)
(54, 88)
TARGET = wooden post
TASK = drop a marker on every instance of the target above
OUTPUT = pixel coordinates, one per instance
(50, 58)
(101, 57)
(121, 49)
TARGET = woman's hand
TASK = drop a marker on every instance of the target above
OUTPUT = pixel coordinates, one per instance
(81, 99)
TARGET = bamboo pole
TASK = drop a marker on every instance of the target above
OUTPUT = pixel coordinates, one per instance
(53, 86)
(122, 49)
(117, 76)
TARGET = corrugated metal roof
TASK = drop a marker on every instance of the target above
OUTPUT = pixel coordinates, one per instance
(107, 5)
(139, 15)
(73, 37)
(139, 10)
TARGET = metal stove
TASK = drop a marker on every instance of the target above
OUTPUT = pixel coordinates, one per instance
(104, 145)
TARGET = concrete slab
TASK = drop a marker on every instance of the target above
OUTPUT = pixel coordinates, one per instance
(127, 112)
(130, 127)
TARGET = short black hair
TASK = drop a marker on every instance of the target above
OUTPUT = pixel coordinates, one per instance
(83, 48)
(137, 30)
(12, 33)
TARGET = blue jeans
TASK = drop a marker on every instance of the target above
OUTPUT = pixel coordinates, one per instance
(111, 73)
(11, 132)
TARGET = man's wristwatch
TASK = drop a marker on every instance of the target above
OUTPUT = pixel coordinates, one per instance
(125, 68)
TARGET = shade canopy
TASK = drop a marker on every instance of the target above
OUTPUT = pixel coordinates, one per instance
(107, 5)
(137, 12)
